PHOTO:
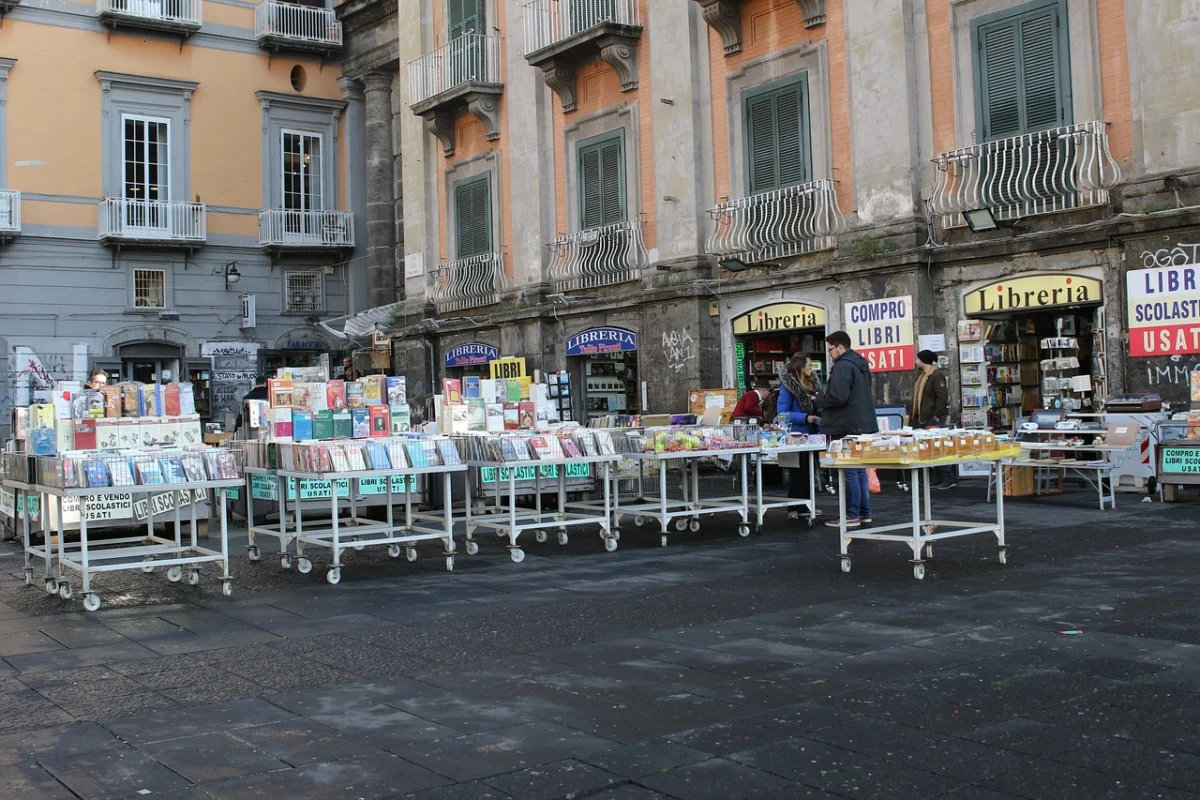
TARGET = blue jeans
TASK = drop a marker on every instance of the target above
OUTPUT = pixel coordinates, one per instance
(858, 494)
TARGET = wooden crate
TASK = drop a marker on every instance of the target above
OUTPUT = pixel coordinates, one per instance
(1019, 481)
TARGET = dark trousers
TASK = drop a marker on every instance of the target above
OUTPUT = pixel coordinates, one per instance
(798, 479)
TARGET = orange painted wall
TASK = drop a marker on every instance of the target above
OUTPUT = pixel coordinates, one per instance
(53, 84)
(769, 26)
(597, 88)
(941, 74)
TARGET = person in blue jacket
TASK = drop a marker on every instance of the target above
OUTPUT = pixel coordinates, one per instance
(799, 387)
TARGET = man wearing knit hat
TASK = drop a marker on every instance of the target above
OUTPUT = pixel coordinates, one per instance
(930, 408)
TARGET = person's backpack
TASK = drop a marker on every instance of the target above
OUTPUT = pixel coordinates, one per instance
(770, 406)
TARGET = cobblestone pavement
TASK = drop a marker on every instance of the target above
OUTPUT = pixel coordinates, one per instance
(715, 668)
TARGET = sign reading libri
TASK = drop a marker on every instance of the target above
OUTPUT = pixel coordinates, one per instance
(601, 340)
(882, 331)
(507, 368)
(1164, 310)
(472, 354)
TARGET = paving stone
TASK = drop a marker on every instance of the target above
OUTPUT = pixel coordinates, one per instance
(1031, 778)
(799, 759)
(481, 755)
(26, 642)
(386, 727)
(869, 779)
(29, 781)
(769, 650)
(197, 720)
(211, 757)
(729, 737)
(891, 663)
(114, 773)
(216, 688)
(462, 714)
(358, 778)
(714, 779)
(799, 718)
(28, 709)
(645, 758)
(1180, 731)
(628, 792)
(1136, 763)
(551, 781)
(62, 740)
(918, 711)
(101, 708)
(78, 657)
(461, 791)
(303, 742)
(358, 694)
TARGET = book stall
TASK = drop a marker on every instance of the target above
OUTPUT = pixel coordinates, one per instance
(916, 452)
(150, 482)
(1178, 455)
(773, 445)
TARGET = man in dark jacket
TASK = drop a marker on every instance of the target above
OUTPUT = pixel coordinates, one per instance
(930, 408)
(848, 408)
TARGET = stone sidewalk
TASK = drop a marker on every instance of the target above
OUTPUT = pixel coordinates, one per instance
(715, 668)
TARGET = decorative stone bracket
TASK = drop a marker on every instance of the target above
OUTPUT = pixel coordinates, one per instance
(725, 17)
(617, 49)
(439, 118)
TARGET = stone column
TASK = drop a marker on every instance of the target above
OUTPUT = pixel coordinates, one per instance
(355, 200)
(381, 187)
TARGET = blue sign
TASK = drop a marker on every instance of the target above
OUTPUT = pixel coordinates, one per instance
(601, 340)
(471, 355)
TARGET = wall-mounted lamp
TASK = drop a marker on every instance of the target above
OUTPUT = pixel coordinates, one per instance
(738, 265)
(231, 274)
(980, 219)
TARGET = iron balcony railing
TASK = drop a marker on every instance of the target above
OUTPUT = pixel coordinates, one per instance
(470, 58)
(300, 26)
(10, 212)
(551, 21)
(182, 14)
(1037, 173)
(467, 283)
(285, 228)
(599, 257)
(151, 221)
(771, 225)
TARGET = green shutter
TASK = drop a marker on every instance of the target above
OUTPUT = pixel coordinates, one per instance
(465, 16)
(602, 183)
(776, 131)
(473, 215)
(1022, 71)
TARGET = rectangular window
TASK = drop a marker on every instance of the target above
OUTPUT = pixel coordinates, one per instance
(778, 153)
(146, 170)
(602, 181)
(302, 182)
(304, 291)
(473, 216)
(465, 16)
(1022, 70)
(149, 288)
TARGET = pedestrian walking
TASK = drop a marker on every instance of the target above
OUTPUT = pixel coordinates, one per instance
(799, 388)
(847, 408)
(930, 408)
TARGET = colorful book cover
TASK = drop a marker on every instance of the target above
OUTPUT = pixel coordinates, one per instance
(70, 473)
(379, 416)
(120, 473)
(112, 401)
(377, 456)
(354, 457)
(471, 388)
(85, 434)
(362, 423)
(323, 424)
(540, 446)
(416, 453)
(318, 396)
(193, 467)
(43, 441)
(397, 391)
(458, 418)
(96, 473)
(337, 455)
(280, 390)
(400, 418)
(129, 433)
(302, 425)
(451, 391)
(512, 417)
(172, 470)
(512, 391)
(301, 396)
(570, 448)
(148, 473)
(343, 424)
(374, 389)
(150, 406)
(354, 395)
(525, 385)
(476, 414)
(449, 452)
(495, 417)
(335, 394)
(396, 454)
(281, 423)
(527, 412)
(324, 461)
(171, 400)
(257, 412)
(187, 399)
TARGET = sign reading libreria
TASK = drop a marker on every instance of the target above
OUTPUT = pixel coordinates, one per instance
(472, 354)
(1033, 293)
(779, 317)
(1164, 310)
(882, 331)
(601, 340)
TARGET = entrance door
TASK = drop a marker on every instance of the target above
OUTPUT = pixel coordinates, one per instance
(302, 190)
(145, 173)
(466, 51)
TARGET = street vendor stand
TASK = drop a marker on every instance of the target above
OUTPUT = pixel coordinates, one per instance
(1097, 473)
(804, 447)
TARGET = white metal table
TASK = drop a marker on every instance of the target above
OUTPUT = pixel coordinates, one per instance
(923, 529)
(761, 503)
(1103, 468)
(686, 513)
(21, 513)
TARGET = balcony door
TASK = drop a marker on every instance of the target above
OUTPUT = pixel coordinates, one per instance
(303, 192)
(466, 49)
(582, 15)
(145, 170)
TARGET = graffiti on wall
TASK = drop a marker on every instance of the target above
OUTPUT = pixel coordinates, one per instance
(29, 373)
(678, 348)
(234, 367)
(1176, 372)
(1175, 256)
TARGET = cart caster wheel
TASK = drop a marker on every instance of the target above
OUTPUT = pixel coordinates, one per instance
(1002, 556)
(662, 541)
(253, 553)
(194, 577)
(51, 586)
(147, 568)
(449, 563)
(472, 548)
(394, 550)
(334, 576)
(227, 588)
(562, 537)
(616, 534)
(358, 548)
(303, 566)
(91, 602)
(809, 521)
(743, 530)
(846, 565)
(410, 553)
(29, 577)
(451, 547)
(639, 521)
(540, 537)
(610, 545)
(694, 525)
(517, 555)
(681, 524)
(175, 574)
(65, 591)
(919, 571)
(928, 551)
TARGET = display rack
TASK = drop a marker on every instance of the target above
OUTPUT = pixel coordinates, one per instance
(686, 512)
(606, 389)
(761, 503)
(561, 396)
(1060, 373)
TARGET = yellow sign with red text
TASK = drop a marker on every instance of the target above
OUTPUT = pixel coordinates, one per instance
(882, 331)
(779, 317)
(1033, 292)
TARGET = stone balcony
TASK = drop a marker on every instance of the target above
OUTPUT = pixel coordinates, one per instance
(174, 16)
(283, 230)
(793, 221)
(467, 283)
(463, 73)
(10, 214)
(1061, 169)
(725, 17)
(287, 26)
(151, 223)
(559, 34)
(598, 257)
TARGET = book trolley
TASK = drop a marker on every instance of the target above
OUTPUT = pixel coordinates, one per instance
(341, 469)
(547, 455)
(155, 483)
(916, 452)
(23, 505)
(777, 444)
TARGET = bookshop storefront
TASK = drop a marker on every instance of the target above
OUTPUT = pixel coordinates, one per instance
(604, 363)
(1031, 341)
(765, 337)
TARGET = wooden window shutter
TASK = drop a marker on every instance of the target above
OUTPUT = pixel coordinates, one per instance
(612, 178)
(473, 214)
(602, 183)
(464, 16)
(790, 127)
(1041, 66)
(1001, 96)
(776, 130)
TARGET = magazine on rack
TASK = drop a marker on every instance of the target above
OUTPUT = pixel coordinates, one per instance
(96, 473)
(377, 456)
(172, 470)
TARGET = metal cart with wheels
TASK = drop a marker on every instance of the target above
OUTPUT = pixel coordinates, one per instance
(22, 493)
(685, 513)
(761, 503)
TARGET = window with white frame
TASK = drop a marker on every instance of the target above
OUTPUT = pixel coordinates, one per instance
(304, 291)
(302, 186)
(149, 288)
(145, 170)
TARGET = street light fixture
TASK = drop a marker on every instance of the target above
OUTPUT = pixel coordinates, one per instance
(980, 219)
(231, 274)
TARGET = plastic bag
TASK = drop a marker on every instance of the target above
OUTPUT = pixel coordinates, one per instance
(873, 481)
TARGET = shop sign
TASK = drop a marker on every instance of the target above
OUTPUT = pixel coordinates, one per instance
(601, 340)
(1181, 461)
(380, 342)
(507, 368)
(304, 344)
(167, 501)
(1164, 310)
(1034, 292)
(8, 503)
(779, 317)
(265, 487)
(473, 354)
(550, 472)
(114, 505)
(882, 332)
(739, 360)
